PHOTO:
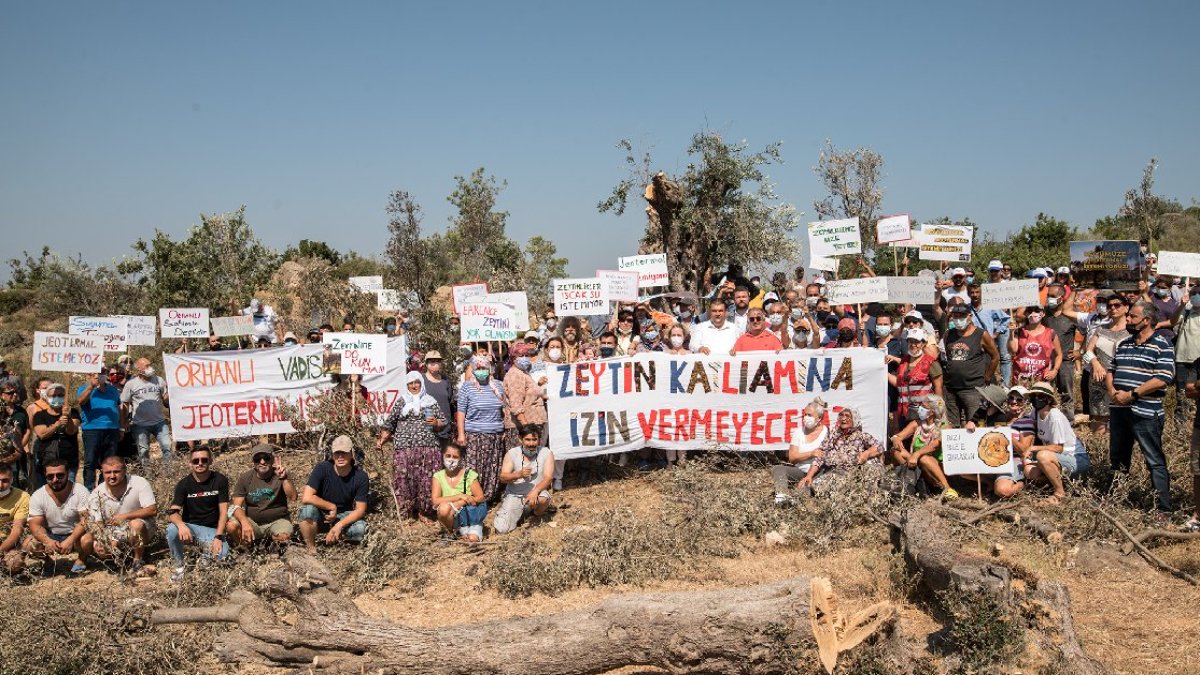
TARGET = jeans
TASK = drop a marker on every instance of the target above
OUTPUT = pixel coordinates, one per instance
(98, 444)
(1064, 382)
(1005, 361)
(202, 536)
(142, 434)
(356, 531)
(1124, 428)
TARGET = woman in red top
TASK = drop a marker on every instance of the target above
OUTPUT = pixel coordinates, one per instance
(918, 375)
(1037, 355)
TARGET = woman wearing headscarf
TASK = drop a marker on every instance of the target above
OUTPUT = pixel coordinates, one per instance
(480, 421)
(412, 428)
(803, 449)
(924, 451)
(845, 449)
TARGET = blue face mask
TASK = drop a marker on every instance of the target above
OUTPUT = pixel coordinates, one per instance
(650, 336)
(523, 363)
(55, 401)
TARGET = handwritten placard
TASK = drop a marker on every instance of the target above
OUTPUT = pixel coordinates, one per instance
(914, 240)
(855, 291)
(519, 301)
(228, 326)
(114, 331)
(987, 450)
(622, 285)
(390, 300)
(183, 322)
(581, 297)
(143, 330)
(66, 353)
(359, 353)
(893, 228)
(1178, 263)
(652, 269)
(1010, 294)
(834, 237)
(946, 242)
(368, 284)
(910, 290)
(486, 321)
(461, 293)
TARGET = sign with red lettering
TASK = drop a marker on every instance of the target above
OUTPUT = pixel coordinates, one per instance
(183, 322)
(359, 353)
(694, 402)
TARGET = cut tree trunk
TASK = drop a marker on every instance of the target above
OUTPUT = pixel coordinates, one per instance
(760, 629)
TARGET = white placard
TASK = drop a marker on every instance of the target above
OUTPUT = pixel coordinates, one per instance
(622, 285)
(855, 291)
(367, 284)
(1010, 294)
(893, 228)
(581, 297)
(390, 300)
(486, 321)
(183, 322)
(822, 263)
(359, 353)
(461, 293)
(652, 269)
(913, 242)
(946, 242)
(987, 450)
(65, 353)
(1178, 264)
(834, 237)
(229, 326)
(143, 330)
(519, 301)
(911, 290)
(114, 331)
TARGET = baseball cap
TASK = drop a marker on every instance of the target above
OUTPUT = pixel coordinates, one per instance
(263, 451)
(432, 355)
(1064, 270)
(995, 265)
(1037, 273)
(342, 444)
(1018, 389)
(847, 322)
(916, 334)
(958, 272)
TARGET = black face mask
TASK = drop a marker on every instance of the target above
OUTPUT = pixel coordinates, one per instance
(1040, 402)
(607, 352)
(822, 314)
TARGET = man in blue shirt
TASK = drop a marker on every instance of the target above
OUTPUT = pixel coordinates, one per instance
(100, 409)
(335, 498)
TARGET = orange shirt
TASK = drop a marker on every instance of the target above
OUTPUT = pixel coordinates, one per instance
(765, 341)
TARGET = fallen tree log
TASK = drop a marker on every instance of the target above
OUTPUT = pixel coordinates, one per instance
(1146, 536)
(759, 629)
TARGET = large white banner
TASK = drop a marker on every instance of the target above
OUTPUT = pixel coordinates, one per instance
(691, 402)
(240, 393)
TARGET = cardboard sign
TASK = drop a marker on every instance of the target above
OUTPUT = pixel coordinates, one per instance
(946, 242)
(1106, 264)
(486, 321)
(988, 450)
(519, 301)
(114, 331)
(367, 284)
(893, 228)
(855, 291)
(910, 290)
(1010, 294)
(183, 322)
(651, 269)
(581, 297)
(1178, 264)
(914, 240)
(143, 330)
(228, 326)
(834, 237)
(359, 353)
(622, 285)
(65, 353)
(461, 293)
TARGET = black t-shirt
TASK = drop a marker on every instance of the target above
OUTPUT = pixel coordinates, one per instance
(61, 445)
(201, 501)
(342, 491)
(440, 392)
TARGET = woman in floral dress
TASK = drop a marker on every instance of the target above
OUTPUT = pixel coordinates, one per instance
(412, 428)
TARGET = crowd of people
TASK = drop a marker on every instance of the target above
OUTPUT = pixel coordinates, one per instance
(477, 437)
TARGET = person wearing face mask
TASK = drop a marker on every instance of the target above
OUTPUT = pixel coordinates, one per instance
(524, 398)
(1047, 445)
(686, 312)
(14, 428)
(142, 403)
(803, 330)
(971, 361)
(918, 375)
(800, 454)
(652, 339)
(627, 330)
(438, 387)
(480, 423)
(845, 449)
(1105, 335)
(526, 481)
(1067, 331)
(845, 334)
(1011, 412)
(677, 339)
(9, 378)
(412, 428)
(1187, 351)
(100, 408)
(924, 451)
(777, 321)
(548, 327)
(56, 428)
(893, 347)
(458, 497)
(1037, 354)
(1168, 307)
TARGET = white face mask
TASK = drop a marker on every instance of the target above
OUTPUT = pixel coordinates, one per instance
(810, 422)
(554, 353)
(801, 337)
(149, 372)
(916, 351)
(450, 463)
(776, 320)
(676, 341)
(551, 323)
(4, 492)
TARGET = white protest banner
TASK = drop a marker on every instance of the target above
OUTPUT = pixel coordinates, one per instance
(183, 322)
(622, 285)
(460, 293)
(485, 321)
(692, 402)
(367, 284)
(652, 269)
(834, 237)
(581, 297)
(390, 300)
(910, 290)
(946, 242)
(893, 228)
(228, 326)
(854, 291)
(358, 353)
(519, 301)
(143, 330)
(987, 450)
(822, 263)
(1178, 264)
(913, 242)
(114, 331)
(1010, 294)
(244, 392)
(65, 353)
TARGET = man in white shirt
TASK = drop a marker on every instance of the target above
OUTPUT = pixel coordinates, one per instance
(958, 279)
(717, 335)
(741, 308)
(125, 506)
(264, 320)
(57, 518)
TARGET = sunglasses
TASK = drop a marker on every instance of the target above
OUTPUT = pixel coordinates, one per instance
(1114, 305)
(55, 476)
(201, 460)
(756, 319)
(263, 461)
(1015, 399)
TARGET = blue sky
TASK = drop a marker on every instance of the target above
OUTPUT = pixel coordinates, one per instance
(119, 118)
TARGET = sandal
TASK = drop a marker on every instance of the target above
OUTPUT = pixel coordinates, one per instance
(78, 568)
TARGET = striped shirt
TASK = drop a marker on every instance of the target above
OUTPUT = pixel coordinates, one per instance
(1135, 364)
(482, 409)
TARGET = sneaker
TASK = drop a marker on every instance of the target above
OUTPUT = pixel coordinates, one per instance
(557, 484)
(1192, 525)
(782, 499)
(177, 575)
(949, 494)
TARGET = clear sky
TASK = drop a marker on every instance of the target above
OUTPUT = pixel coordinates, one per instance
(117, 118)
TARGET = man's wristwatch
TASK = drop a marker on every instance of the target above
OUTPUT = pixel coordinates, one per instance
(1133, 393)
